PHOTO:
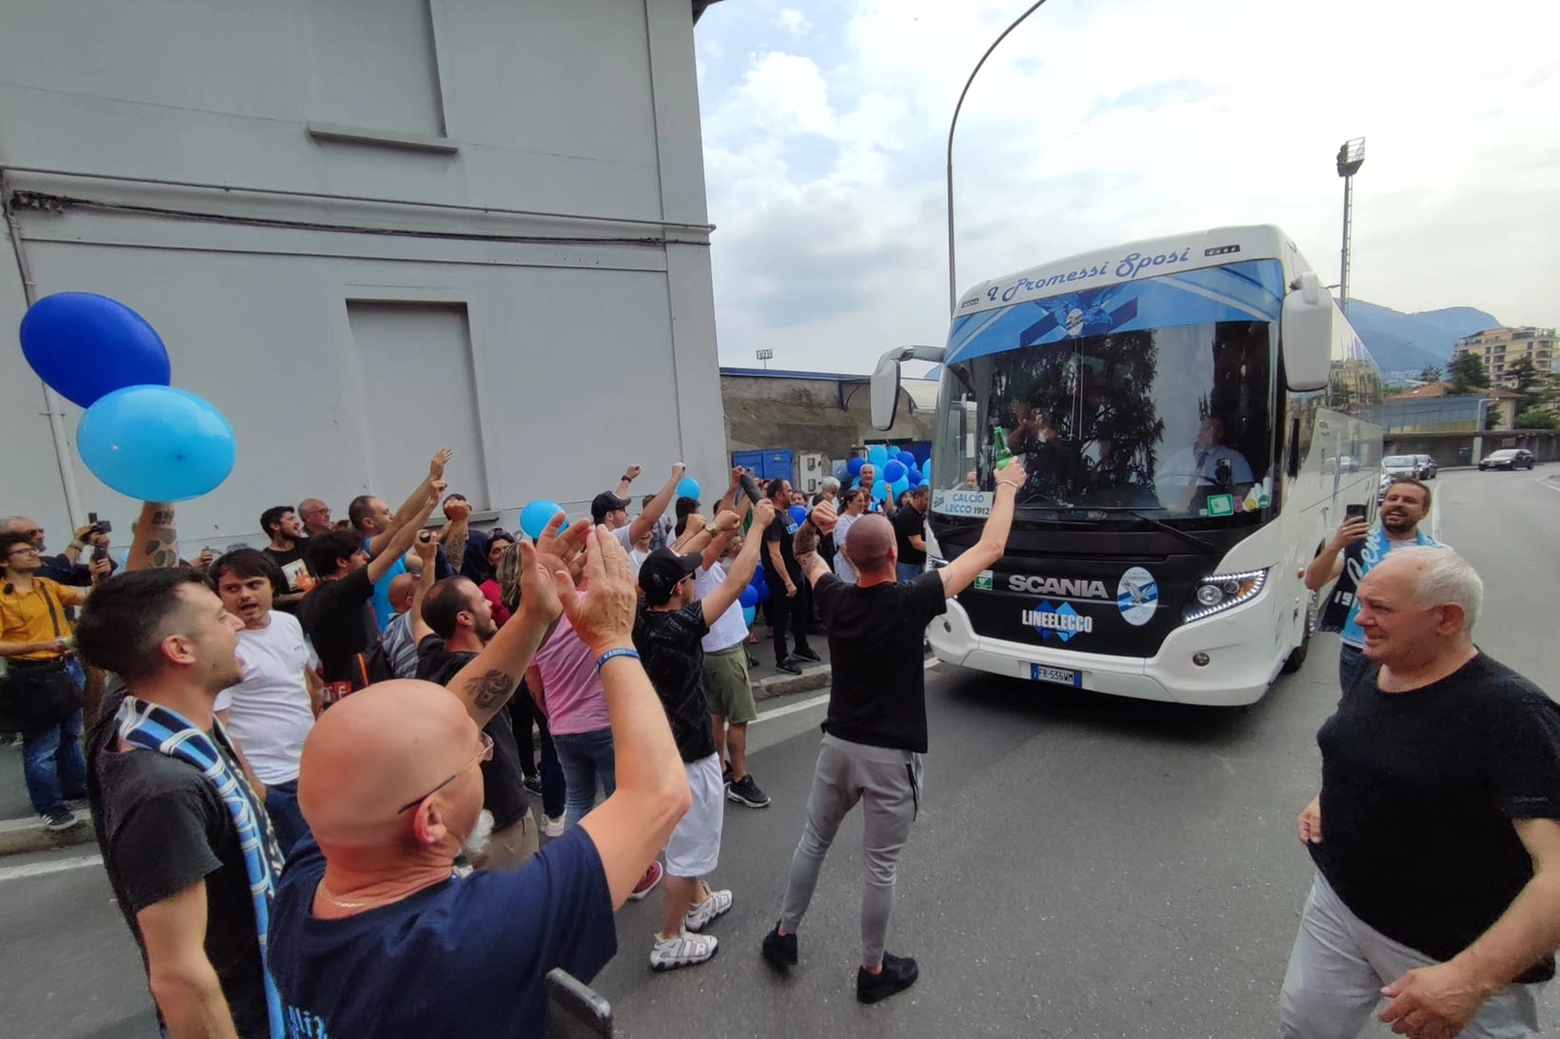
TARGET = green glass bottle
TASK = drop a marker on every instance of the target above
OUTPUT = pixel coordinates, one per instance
(1000, 455)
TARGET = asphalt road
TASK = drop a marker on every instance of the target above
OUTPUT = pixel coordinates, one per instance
(1083, 866)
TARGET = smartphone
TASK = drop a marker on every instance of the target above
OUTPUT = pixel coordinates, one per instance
(1353, 511)
(574, 1009)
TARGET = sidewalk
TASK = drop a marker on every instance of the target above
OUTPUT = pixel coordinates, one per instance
(22, 831)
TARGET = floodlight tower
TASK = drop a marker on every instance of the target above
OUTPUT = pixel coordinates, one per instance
(1351, 156)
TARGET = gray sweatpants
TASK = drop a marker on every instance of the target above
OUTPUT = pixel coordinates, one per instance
(887, 782)
(1340, 963)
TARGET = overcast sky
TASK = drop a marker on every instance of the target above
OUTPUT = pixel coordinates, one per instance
(1102, 121)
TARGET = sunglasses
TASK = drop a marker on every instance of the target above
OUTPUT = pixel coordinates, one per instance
(485, 754)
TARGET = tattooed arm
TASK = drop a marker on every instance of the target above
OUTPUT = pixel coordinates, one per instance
(487, 683)
(817, 524)
(156, 543)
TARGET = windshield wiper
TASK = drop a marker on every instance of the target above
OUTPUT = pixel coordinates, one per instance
(1202, 544)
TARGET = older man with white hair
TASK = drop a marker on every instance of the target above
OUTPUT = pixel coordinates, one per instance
(1436, 834)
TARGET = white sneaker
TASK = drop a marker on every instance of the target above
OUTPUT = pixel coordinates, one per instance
(715, 905)
(682, 950)
(553, 827)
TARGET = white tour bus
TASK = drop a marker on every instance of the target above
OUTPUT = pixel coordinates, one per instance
(1195, 414)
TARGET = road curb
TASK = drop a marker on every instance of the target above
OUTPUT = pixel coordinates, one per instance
(815, 677)
(19, 836)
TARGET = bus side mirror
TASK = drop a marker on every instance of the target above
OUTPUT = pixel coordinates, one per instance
(885, 391)
(1306, 333)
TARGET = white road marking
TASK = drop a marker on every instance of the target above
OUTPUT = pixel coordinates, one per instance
(932, 663)
(40, 869)
(792, 708)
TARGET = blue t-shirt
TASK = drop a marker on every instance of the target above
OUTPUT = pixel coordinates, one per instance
(468, 957)
(383, 612)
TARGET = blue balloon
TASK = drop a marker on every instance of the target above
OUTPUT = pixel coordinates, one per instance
(907, 459)
(915, 476)
(877, 454)
(894, 470)
(749, 597)
(763, 591)
(854, 465)
(536, 515)
(749, 613)
(156, 443)
(688, 488)
(798, 513)
(87, 346)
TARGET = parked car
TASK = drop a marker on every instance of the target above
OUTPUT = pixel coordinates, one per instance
(1395, 466)
(1507, 458)
(1426, 467)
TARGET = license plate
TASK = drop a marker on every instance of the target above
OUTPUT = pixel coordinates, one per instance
(1059, 675)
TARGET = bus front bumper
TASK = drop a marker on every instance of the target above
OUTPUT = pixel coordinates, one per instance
(1239, 668)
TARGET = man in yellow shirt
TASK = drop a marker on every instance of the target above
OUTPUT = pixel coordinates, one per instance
(39, 691)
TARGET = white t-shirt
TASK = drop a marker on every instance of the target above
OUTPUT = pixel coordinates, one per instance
(842, 568)
(270, 712)
(730, 628)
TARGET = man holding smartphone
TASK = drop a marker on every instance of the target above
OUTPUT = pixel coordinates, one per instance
(1353, 549)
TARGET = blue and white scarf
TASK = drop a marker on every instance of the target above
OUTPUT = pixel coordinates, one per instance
(1358, 557)
(150, 727)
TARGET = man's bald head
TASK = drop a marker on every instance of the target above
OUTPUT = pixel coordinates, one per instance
(403, 587)
(379, 750)
(869, 545)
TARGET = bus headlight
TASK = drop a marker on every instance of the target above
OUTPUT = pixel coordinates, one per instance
(1221, 591)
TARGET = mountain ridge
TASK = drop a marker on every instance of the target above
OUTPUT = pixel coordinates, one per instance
(1403, 342)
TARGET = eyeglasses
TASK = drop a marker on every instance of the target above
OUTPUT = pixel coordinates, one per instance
(485, 754)
(26, 550)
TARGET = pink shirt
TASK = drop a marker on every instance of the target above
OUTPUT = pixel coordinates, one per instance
(576, 702)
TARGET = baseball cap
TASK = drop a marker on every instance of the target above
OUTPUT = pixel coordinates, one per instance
(661, 572)
(604, 503)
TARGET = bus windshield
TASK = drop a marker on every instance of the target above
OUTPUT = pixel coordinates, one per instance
(1131, 401)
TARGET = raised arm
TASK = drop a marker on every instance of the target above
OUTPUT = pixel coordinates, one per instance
(456, 535)
(818, 523)
(646, 520)
(156, 543)
(487, 683)
(626, 481)
(729, 591)
(410, 523)
(425, 548)
(1328, 563)
(631, 827)
(724, 532)
(412, 504)
(961, 573)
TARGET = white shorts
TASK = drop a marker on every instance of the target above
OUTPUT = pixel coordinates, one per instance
(693, 850)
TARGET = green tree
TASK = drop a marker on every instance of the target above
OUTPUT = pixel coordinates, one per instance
(1469, 374)
(1537, 418)
(1430, 373)
(1522, 373)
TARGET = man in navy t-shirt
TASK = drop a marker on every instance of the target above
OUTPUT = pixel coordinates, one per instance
(371, 933)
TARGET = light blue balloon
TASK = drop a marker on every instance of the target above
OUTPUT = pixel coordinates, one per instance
(877, 454)
(926, 468)
(536, 515)
(157, 443)
(688, 487)
(748, 614)
(901, 485)
(880, 490)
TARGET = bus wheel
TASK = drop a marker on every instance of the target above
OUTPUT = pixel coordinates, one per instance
(1296, 657)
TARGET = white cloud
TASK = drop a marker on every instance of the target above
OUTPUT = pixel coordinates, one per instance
(1096, 123)
(792, 21)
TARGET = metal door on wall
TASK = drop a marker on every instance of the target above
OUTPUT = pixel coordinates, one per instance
(765, 465)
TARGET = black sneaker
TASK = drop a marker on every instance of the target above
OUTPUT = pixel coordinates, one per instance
(898, 974)
(63, 819)
(780, 949)
(746, 792)
(789, 666)
(725, 773)
(533, 784)
(806, 653)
